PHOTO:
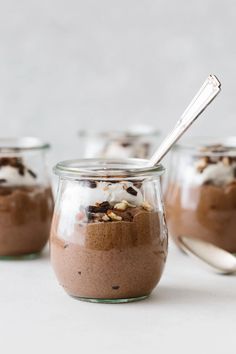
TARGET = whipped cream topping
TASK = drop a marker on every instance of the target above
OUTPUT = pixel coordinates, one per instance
(218, 174)
(77, 194)
(10, 176)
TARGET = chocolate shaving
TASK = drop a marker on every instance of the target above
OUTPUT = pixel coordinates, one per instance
(32, 173)
(89, 183)
(208, 182)
(137, 184)
(115, 287)
(3, 180)
(125, 144)
(132, 191)
(100, 208)
(15, 162)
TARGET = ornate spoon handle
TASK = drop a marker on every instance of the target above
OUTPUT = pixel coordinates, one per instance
(203, 98)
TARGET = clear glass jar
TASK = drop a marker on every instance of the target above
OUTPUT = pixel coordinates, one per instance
(201, 191)
(26, 202)
(108, 237)
(139, 142)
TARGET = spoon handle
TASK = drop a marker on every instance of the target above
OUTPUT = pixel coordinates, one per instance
(203, 98)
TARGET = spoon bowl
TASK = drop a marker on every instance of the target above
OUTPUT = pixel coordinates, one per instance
(219, 259)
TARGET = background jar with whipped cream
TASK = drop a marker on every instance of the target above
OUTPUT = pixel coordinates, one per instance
(108, 235)
(26, 201)
(200, 192)
(138, 142)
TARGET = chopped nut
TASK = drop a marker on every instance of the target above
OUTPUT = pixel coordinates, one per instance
(146, 206)
(226, 161)
(202, 164)
(128, 204)
(105, 218)
(121, 206)
(113, 216)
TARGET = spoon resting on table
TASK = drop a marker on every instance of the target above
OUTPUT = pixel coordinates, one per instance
(217, 258)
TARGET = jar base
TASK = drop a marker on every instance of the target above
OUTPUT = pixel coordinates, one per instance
(27, 256)
(111, 301)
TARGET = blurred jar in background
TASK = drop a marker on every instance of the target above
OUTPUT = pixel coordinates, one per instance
(26, 201)
(139, 141)
(201, 191)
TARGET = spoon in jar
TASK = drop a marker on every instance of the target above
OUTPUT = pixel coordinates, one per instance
(203, 98)
(217, 258)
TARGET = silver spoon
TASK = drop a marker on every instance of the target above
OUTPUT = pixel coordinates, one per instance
(203, 98)
(219, 259)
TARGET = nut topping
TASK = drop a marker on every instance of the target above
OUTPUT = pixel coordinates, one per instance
(202, 164)
(121, 206)
(226, 160)
(146, 206)
(105, 218)
(113, 216)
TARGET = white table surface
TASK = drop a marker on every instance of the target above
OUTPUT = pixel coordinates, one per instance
(192, 311)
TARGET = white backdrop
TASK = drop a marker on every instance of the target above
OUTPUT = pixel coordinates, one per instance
(70, 64)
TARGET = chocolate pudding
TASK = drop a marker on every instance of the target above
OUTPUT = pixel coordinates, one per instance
(25, 209)
(202, 204)
(107, 241)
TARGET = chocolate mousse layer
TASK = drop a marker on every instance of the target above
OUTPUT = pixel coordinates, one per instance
(204, 205)
(116, 254)
(25, 217)
(25, 209)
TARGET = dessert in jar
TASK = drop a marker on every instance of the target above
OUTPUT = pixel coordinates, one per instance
(201, 192)
(26, 202)
(108, 237)
(138, 142)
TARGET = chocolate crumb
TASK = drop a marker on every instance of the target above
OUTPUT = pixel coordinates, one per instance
(138, 184)
(32, 173)
(208, 182)
(100, 208)
(79, 273)
(115, 287)
(125, 144)
(131, 191)
(90, 183)
(2, 180)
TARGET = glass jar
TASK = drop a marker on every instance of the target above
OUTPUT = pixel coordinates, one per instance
(201, 191)
(108, 237)
(26, 202)
(138, 142)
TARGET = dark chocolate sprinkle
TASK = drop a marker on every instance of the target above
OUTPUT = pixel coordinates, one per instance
(3, 180)
(79, 273)
(90, 183)
(32, 173)
(101, 208)
(138, 184)
(115, 287)
(125, 144)
(208, 182)
(21, 170)
(132, 191)
(65, 245)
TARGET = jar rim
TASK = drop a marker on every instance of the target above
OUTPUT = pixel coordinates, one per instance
(199, 143)
(106, 168)
(18, 144)
(118, 134)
